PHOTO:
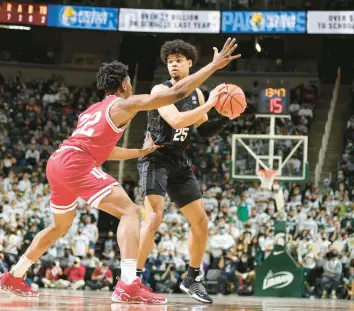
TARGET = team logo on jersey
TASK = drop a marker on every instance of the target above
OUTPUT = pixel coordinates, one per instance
(99, 174)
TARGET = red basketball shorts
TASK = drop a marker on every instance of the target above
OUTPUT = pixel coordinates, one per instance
(72, 173)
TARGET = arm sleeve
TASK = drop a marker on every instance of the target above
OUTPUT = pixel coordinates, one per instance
(212, 127)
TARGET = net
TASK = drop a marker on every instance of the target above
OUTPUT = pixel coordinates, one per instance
(266, 177)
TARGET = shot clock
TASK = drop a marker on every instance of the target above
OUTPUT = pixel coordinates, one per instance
(23, 13)
(274, 100)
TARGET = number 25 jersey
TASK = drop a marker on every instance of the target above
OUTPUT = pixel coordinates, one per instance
(174, 141)
(96, 133)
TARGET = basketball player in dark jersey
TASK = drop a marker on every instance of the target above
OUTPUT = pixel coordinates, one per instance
(168, 170)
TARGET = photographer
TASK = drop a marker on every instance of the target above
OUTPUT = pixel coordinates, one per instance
(101, 278)
(168, 280)
(331, 277)
(52, 274)
(227, 265)
(245, 271)
(75, 276)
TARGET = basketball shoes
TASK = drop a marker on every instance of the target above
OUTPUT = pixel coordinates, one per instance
(136, 293)
(17, 286)
(195, 289)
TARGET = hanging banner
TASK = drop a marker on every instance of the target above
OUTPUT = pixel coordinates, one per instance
(330, 22)
(83, 17)
(263, 22)
(172, 21)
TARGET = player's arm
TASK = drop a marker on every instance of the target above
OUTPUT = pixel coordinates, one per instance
(125, 109)
(201, 100)
(119, 153)
(208, 128)
(177, 119)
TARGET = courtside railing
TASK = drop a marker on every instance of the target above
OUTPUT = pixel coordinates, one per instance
(325, 137)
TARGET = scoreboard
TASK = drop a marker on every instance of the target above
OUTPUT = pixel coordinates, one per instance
(23, 13)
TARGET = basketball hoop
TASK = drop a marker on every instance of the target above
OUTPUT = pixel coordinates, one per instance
(266, 177)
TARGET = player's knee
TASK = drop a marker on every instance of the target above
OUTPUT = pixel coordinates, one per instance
(200, 226)
(62, 229)
(132, 211)
(154, 220)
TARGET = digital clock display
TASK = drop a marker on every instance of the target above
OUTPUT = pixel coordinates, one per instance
(23, 13)
(273, 100)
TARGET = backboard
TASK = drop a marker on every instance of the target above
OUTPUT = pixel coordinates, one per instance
(285, 153)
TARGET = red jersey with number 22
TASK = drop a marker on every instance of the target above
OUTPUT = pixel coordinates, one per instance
(96, 133)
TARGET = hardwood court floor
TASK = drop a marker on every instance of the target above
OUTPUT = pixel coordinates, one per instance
(62, 300)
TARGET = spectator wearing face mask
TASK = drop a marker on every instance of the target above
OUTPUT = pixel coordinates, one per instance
(109, 244)
(80, 244)
(331, 278)
(309, 224)
(52, 274)
(227, 265)
(245, 272)
(220, 242)
(90, 261)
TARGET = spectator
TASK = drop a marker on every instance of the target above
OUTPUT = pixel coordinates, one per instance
(227, 264)
(91, 231)
(75, 276)
(168, 281)
(80, 244)
(52, 274)
(102, 278)
(32, 156)
(90, 261)
(332, 274)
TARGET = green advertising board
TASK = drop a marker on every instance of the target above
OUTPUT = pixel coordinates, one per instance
(279, 275)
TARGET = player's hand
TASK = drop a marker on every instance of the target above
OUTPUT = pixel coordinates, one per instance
(149, 145)
(215, 94)
(224, 57)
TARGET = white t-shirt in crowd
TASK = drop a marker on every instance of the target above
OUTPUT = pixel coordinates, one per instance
(80, 242)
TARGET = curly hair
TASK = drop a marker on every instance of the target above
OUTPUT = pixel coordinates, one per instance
(111, 75)
(178, 47)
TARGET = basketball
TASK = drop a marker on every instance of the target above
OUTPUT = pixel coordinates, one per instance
(233, 103)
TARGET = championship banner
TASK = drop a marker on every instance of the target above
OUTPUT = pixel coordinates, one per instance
(330, 22)
(263, 22)
(83, 17)
(169, 21)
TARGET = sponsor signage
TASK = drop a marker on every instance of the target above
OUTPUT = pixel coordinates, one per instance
(169, 21)
(82, 17)
(330, 22)
(263, 22)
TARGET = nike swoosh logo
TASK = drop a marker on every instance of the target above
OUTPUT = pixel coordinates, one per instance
(277, 253)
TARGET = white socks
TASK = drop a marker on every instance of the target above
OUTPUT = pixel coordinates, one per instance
(128, 270)
(19, 270)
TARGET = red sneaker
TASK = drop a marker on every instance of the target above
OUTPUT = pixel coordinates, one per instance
(135, 293)
(17, 286)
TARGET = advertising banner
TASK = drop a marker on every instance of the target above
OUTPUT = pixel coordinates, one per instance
(83, 17)
(330, 22)
(263, 22)
(279, 275)
(169, 21)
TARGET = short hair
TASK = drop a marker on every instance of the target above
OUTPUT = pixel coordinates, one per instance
(111, 75)
(178, 47)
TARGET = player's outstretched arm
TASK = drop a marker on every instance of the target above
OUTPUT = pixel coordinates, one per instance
(119, 153)
(184, 87)
(177, 119)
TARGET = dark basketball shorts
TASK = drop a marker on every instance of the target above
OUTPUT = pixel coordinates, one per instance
(159, 177)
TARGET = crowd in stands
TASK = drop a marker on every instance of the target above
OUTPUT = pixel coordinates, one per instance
(35, 116)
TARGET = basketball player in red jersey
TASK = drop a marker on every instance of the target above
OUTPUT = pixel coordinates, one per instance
(72, 172)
